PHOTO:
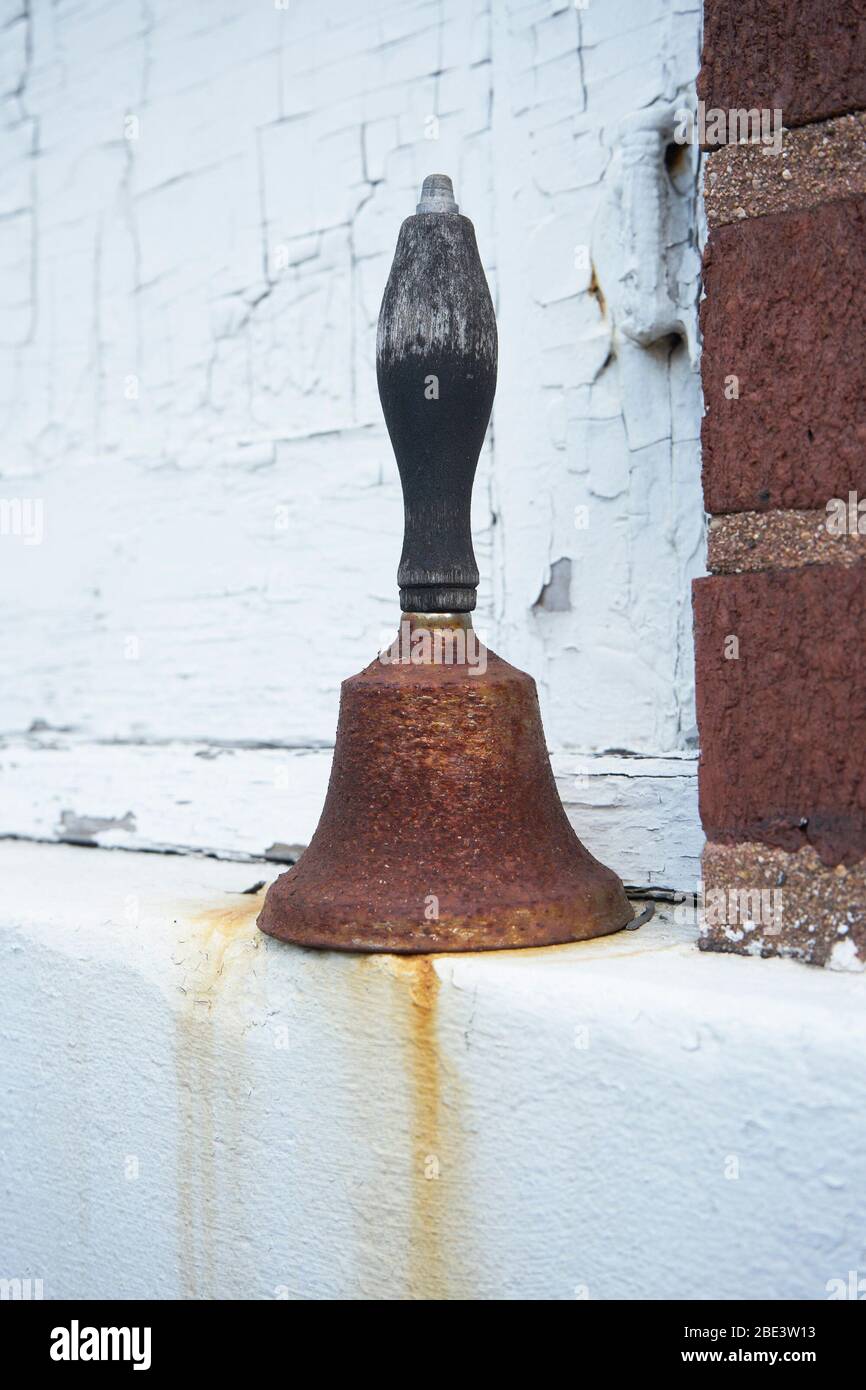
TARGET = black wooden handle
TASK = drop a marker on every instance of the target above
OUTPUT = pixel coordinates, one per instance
(436, 366)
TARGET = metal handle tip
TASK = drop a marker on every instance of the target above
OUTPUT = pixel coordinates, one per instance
(437, 195)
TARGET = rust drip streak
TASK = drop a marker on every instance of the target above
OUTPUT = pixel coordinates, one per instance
(427, 1265)
(209, 1092)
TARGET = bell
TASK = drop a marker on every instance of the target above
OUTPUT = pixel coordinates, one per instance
(442, 828)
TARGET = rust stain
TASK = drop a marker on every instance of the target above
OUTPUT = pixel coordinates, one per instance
(213, 952)
(392, 1020)
(432, 1259)
(432, 1164)
(219, 940)
(617, 946)
(597, 292)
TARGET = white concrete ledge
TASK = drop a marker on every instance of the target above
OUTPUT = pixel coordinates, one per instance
(191, 1109)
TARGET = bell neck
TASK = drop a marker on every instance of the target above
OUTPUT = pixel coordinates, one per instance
(431, 622)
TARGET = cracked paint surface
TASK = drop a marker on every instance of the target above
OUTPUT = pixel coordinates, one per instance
(198, 212)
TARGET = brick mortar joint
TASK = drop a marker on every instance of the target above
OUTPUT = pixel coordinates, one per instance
(783, 538)
(817, 164)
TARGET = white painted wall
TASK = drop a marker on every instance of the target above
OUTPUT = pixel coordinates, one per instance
(198, 208)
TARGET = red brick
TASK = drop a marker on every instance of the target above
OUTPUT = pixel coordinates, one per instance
(783, 727)
(807, 57)
(784, 310)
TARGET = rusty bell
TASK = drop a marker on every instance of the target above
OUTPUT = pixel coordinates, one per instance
(442, 828)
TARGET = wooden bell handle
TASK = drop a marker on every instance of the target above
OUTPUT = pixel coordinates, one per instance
(436, 368)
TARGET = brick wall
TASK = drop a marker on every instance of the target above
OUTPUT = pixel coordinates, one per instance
(780, 621)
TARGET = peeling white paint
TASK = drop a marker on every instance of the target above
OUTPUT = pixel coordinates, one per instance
(645, 240)
(637, 814)
(196, 224)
